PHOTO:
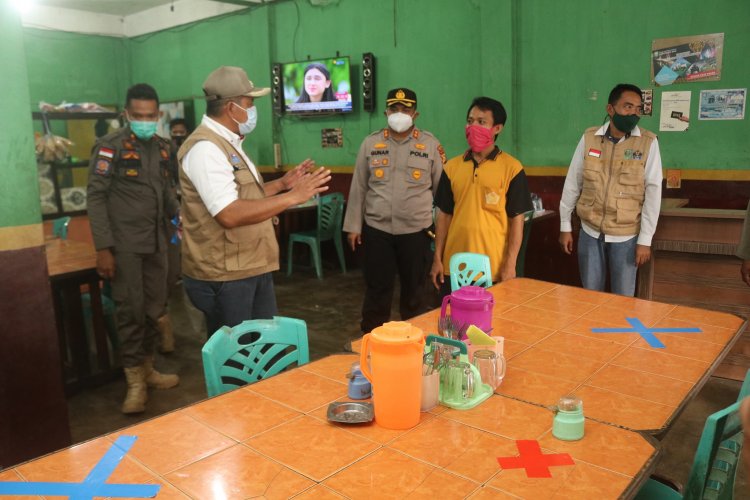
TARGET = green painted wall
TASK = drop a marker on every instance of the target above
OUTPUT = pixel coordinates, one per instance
(75, 68)
(544, 59)
(568, 53)
(19, 191)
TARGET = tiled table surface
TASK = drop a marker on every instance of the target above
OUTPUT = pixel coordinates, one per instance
(272, 439)
(551, 351)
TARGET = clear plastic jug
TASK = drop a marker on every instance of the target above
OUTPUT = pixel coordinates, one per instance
(395, 371)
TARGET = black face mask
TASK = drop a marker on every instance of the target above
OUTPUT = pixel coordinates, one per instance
(625, 123)
(178, 140)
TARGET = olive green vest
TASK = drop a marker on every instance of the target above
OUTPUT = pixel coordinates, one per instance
(614, 182)
(211, 252)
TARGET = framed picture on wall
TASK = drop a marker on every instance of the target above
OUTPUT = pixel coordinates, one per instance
(175, 109)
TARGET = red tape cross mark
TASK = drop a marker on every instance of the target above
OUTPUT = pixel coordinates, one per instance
(533, 460)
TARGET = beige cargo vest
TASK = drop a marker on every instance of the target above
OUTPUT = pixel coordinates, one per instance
(209, 251)
(614, 184)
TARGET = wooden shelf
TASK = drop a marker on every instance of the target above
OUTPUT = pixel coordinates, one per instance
(56, 115)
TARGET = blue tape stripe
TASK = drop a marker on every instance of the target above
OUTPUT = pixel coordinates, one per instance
(645, 332)
(74, 489)
(106, 466)
(94, 485)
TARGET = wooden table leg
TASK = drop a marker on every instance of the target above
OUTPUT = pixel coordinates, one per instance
(74, 328)
(99, 327)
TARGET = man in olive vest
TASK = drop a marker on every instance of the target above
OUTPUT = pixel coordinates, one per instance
(614, 184)
(229, 247)
(130, 199)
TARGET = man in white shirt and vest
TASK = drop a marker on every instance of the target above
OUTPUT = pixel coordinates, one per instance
(229, 248)
(614, 184)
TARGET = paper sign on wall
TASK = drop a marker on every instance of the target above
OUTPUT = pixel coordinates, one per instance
(724, 104)
(675, 111)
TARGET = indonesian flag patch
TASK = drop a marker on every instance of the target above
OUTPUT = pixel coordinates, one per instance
(595, 153)
(107, 153)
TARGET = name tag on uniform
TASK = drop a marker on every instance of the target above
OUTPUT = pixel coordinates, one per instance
(595, 153)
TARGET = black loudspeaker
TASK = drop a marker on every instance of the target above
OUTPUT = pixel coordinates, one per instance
(368, 81)
(277, 90)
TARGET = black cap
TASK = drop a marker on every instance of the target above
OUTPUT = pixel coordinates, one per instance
(401, 96)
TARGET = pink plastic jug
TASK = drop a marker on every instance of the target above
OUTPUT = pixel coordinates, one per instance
(470, 305)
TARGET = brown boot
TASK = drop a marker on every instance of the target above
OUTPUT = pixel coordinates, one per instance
(135, 399)
(167, 336)
(155, 379)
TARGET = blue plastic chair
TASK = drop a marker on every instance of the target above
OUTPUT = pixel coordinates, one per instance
(330, 210)
(60, 227)
(470, 269)
(528, 218)
(715, 463)
(253, 350)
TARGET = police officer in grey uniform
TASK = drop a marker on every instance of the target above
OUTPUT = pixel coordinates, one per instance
(389, 210)
(130, 199)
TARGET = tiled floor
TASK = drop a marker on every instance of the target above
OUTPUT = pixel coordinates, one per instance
(331, 308)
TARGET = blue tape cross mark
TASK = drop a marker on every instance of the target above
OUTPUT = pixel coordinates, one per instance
(93, 485)
(646, 332)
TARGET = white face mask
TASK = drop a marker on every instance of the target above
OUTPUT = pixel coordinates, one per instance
(252, 120)
(400, 122)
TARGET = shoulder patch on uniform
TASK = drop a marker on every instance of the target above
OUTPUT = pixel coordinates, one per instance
(107, 153)
(103, 167)
(164, 153)
(415, 134)
(386, 133)
(130, 155)
(441, 151)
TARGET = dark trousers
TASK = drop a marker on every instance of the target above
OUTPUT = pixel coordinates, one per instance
(386, 254)
(139, 290)
(229, 303)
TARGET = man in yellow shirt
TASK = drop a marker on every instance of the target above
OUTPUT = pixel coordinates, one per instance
(481, 199)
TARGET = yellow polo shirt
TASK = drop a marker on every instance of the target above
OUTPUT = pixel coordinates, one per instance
(481, 198)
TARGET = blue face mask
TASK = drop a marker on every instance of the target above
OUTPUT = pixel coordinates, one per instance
(143, 130)
(252, 120)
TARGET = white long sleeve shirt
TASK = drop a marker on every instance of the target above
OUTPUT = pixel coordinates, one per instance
(651, 203)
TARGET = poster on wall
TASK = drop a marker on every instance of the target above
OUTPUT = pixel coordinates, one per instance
(169, 111)
(647, 95)
(724, 104)
(675, 111)
(686, 59)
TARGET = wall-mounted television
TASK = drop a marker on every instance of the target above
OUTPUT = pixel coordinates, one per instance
(319, 86)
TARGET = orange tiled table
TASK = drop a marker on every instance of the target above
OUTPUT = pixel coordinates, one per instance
(621, 379)
(272, 439)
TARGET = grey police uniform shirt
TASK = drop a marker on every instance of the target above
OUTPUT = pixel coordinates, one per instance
(130, 197)
(394, 183)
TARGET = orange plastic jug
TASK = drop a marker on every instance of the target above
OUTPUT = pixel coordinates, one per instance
(395, 371)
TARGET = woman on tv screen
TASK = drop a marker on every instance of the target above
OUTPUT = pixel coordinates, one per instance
(317, 84)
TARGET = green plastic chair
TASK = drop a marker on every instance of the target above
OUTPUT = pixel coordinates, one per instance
(468, 268)
(253, 350)
(715, 463)
(528, 217)
(60, 227)
(330, 210)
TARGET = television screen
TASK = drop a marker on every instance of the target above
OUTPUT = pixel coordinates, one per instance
(321, 86)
